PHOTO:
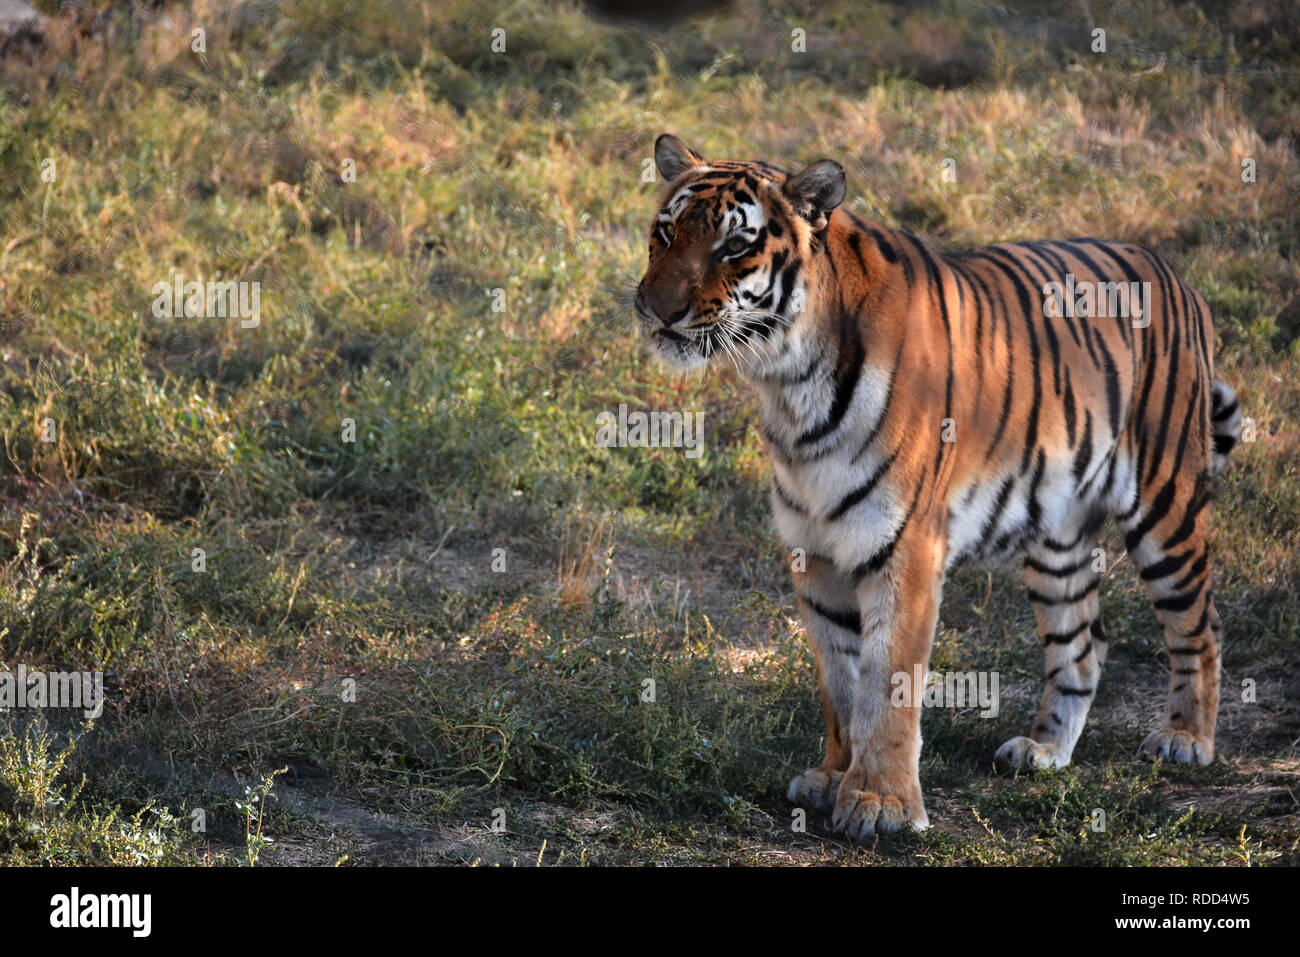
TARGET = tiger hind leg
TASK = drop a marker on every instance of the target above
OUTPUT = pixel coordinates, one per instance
(1062, 581)
(1167, 541)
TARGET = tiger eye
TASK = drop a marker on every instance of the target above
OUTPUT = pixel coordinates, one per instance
(670, 232)
(736, 244)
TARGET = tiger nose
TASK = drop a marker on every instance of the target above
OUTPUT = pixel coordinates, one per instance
(665, 308)
(675, 318)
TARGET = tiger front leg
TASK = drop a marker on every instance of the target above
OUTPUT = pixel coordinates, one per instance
(899, 603)
(829, 607)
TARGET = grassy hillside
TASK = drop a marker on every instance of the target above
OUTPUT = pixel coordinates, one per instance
(449, 622)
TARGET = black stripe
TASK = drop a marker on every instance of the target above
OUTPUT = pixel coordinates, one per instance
(1200, 624)
(1085, 328)
(1165, 567)
(846, 379)
(877, 561)
(1034, 507)
(1009, 388)
(877, 237)
(788, 277)
(1031, 255)
(777, 264)
(1049, 327)
(904, 260)
(1178, 603)
(886, 249)
(863, 490)
(855, 243)
(848, 620)
(1167, 408)
(1224, 412)
(1068, 398)
(1184, 530)
(786, 498)
(1041, 599)
(1118, 255)
(999, 505)
(1084, 455)
(936, 283)
(884, 408)
(1058, 572)
(1064, 637)
(1059, 268)
(1022, 288)
(962, 279)
(1163, 501)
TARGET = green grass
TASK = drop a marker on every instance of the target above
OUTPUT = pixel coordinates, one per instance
(351, 626)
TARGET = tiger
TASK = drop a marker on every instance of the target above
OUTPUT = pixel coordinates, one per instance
(923, 410)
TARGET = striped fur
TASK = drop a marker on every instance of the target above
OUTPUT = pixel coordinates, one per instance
(923, 409)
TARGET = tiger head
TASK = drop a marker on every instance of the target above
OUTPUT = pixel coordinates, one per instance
(729, 256)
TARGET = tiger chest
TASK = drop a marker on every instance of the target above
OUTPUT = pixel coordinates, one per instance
(835, 508)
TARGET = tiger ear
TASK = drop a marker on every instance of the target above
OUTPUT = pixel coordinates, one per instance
(673, 158)
(816, 190)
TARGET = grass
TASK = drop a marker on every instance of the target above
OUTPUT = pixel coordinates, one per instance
(459, 613)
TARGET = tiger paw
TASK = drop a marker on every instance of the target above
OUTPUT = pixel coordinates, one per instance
(1026, 754)
(861, 815)
(1180, 747)
(815, 790)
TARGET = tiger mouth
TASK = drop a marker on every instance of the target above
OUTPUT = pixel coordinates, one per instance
(694, 333)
